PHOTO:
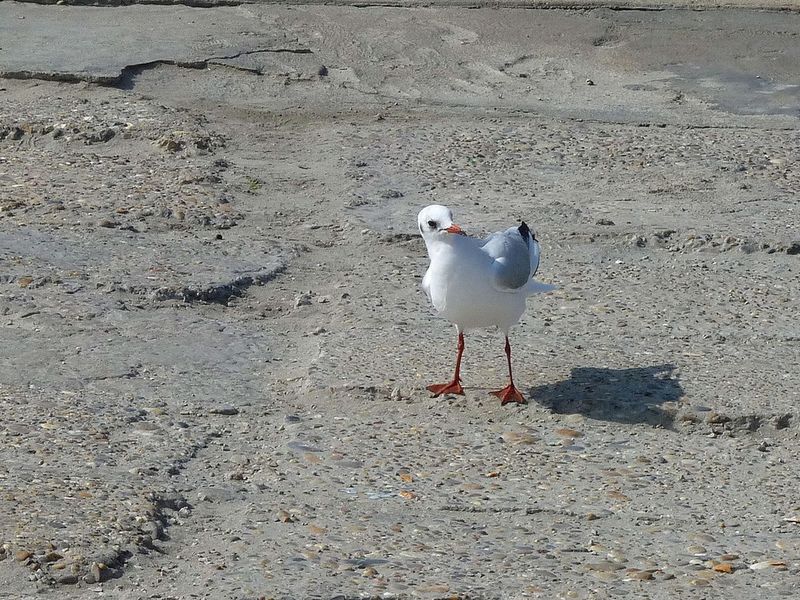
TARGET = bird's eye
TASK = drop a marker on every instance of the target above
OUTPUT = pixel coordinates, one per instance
(432, 224)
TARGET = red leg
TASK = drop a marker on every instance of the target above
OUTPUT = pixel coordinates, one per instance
(509, 393)
(454, 387)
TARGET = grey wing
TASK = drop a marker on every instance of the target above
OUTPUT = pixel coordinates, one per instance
(516, 257)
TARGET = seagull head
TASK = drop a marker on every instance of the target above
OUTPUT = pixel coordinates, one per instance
(436, 222)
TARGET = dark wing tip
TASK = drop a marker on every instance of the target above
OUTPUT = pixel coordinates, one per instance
(526, 233)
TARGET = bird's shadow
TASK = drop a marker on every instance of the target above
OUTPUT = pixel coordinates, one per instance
(635, 395)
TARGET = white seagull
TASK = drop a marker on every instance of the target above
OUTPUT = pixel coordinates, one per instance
(478, 283)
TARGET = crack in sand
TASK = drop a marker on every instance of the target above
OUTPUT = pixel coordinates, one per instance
(129, 72)
(212, 294)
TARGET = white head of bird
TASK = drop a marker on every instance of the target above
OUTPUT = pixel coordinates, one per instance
(436, 223)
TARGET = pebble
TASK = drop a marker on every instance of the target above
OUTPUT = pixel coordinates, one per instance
(522, 438)
(729, 557)
(769, 564)
(605, 566)
(723, 567)
(97, 571)
(225, 409)
(433, 589)
(715, 418)
(302, 446)
(544, 574)
(640, 575)
(790, 545)
(616, 556)
(792, 519)
(568, 432)
(302, 300)
(284, 517)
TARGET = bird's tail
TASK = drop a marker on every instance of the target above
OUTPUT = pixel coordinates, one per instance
(537, 287)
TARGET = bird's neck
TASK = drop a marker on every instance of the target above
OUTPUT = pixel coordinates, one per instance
(439, 249)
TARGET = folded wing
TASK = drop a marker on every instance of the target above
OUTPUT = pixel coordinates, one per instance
(516, 257)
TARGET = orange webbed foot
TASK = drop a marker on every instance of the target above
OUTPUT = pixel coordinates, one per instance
(454, 387)
(509, 394)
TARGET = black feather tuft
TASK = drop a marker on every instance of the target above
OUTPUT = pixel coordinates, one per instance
(526, 233)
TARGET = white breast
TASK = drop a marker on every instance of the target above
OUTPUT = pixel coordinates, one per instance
(459, 285)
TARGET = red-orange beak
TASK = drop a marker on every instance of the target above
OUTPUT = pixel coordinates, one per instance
(455, 229)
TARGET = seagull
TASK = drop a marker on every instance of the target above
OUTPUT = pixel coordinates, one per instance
(476, 283)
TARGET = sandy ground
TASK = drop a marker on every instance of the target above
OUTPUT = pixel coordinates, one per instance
(215, 349)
